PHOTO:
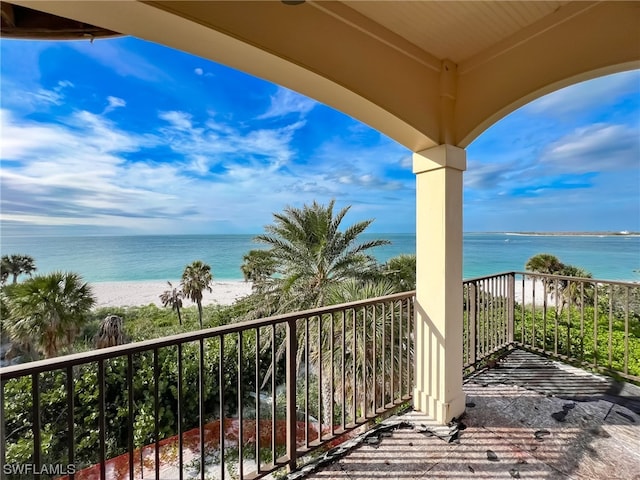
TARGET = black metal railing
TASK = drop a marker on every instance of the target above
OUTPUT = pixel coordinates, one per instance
(249, 398)
(589, 322)
(488, 317)
(241, 400)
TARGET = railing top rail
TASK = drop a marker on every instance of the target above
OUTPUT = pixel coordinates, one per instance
(15, 371)
(557, 277)
(485, 277)
(582, 279)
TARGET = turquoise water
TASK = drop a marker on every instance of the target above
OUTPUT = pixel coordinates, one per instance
(163, 257)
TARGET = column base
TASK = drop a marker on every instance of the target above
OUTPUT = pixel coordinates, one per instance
(434, 408)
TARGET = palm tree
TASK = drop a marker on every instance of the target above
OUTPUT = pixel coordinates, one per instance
(48, 310)
(544, 263)
(111, 332)
(173, 297)
(571, 291)
(257, 266)
(548, 264)
(196, 278)
(312, 254)
(401, 270)
(16, 265)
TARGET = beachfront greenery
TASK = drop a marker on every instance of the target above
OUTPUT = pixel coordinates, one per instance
(46, 312)
(196, 278)
(16, 265)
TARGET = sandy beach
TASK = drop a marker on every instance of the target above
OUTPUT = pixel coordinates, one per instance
(123, 294)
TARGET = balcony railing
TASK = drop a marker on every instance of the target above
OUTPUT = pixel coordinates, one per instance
(240, 400)
(246, 399)
(588, 322)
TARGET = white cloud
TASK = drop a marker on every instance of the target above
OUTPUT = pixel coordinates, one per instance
(114, 102)
(81, 172)
(597, 147)
(178, 120)
(114, 55)
(198, 71)
(584, 96)
(285, 102)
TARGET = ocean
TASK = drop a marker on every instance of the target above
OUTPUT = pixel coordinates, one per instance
(163, 257)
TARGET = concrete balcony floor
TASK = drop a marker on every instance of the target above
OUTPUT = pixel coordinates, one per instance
(528, 418)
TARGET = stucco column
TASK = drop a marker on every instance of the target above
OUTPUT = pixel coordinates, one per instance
(438, 391)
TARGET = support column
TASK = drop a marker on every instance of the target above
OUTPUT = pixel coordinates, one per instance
(438, 391)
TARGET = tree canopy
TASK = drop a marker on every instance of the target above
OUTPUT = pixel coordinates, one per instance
(311, 253)
(196, 278)
(47, 311)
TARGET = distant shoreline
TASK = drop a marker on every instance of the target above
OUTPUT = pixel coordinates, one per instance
(572, 234)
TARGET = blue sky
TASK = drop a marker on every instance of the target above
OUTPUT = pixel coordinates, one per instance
(124, 136)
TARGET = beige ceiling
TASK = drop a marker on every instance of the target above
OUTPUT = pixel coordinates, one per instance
(455, 30)
(422, 72)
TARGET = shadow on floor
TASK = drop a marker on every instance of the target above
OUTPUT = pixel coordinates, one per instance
(527, 418)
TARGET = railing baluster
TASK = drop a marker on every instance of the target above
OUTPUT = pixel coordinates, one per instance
(332, 380)
(582, 322)
(3, 435)
(570, 285)
(363, 311)
(400, 356)
(555, 319)
(130, 420)
(353, 367)
(201, 407)
(511, 298)
(374, 359)
(306, 382)
(392, 389)
(70, 421)
(533, 312)
(221, 380)
(273, 394)
(292, 346)
(522, 313)
(180, 413)
(626, 333)
(320, 379)
(343, 372)
(472, 322)
(384, 356)
(35, 395)
(156, 412)
(611, 295)
(257, 392)
(102, 419)
(240, 410)
(410, 330)
(595, 325)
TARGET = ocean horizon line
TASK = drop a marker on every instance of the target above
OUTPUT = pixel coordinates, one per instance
(595, 233)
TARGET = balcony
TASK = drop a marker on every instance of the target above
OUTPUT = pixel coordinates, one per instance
(250, 399)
